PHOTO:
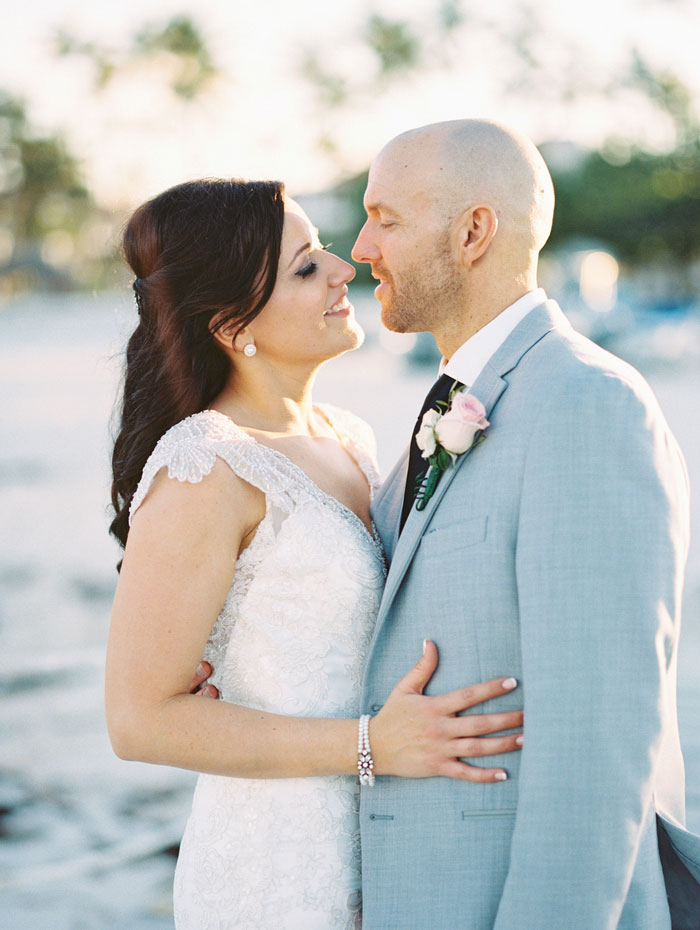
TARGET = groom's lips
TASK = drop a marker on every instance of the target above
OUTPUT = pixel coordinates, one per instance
(382, 287)
(384, 283)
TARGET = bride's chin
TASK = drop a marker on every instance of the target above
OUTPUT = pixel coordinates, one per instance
(357, 338)
(353, 338)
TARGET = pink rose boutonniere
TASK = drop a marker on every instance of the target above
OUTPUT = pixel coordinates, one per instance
(443, 437)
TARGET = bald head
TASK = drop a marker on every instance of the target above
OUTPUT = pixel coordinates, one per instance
(458, 164)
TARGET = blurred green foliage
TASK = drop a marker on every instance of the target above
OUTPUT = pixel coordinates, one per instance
(46, 212)
(644, 206)
(332, 89)
(394, 43)
(647, 208)
(35, 170)
(178, 45)
(52, 232)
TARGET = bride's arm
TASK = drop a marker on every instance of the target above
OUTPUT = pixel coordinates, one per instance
(177, 570)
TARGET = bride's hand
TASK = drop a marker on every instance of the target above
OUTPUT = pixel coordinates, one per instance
(418, 736)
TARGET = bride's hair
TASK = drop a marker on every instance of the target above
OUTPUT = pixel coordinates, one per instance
(201, 250)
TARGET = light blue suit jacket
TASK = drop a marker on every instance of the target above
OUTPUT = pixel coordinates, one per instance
(554, 551)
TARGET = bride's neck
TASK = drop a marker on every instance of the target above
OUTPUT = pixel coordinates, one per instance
(262, 397)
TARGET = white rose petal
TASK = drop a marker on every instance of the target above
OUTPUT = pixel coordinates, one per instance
(430, 418)
(425, 440)
(425, 437)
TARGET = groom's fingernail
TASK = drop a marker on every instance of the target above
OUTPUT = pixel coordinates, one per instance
(200, 670)
(501, 776)
(510, 683)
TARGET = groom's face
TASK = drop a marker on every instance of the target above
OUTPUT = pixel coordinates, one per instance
(408, 244)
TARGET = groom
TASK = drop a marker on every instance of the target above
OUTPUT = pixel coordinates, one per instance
(554, 549)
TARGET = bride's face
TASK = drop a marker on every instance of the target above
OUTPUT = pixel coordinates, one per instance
(308, 318)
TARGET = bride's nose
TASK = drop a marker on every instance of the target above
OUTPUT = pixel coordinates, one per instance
(342, 272)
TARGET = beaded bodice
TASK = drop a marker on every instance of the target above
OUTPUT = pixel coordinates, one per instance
(294, 629)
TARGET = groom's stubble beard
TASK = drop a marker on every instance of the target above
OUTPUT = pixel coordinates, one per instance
(424, 295)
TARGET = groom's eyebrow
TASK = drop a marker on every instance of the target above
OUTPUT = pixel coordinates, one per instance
(379, 206)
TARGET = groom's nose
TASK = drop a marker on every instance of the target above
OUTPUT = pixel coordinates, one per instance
(365, 249)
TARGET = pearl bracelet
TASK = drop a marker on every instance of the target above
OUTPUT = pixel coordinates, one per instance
(365, 763)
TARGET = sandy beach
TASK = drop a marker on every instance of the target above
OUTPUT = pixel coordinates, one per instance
(86, 841)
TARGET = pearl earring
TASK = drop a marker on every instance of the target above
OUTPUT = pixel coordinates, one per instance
(250, 350)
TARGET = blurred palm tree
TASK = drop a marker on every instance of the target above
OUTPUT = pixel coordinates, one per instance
(45, 208)
(52, 232)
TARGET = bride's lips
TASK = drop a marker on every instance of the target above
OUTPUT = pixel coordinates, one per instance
(343, 307)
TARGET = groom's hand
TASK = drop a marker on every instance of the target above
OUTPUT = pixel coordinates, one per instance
(203, 672)
(420, 736)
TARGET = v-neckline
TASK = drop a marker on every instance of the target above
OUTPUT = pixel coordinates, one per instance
(372, 534)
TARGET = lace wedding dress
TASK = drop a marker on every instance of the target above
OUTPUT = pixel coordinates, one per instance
(280, 854)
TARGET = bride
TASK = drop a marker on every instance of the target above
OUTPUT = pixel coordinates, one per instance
(243, 509)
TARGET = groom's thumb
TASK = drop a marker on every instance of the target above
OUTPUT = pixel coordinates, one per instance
(423, 670)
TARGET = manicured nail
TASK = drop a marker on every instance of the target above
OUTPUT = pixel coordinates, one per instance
(519, 740)
(510, 683)
(200, 670)
(501, 776)
(425, 645)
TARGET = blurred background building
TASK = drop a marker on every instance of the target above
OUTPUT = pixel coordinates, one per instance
(101, 107)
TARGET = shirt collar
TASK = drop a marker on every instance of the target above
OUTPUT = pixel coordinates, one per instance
(470, 358)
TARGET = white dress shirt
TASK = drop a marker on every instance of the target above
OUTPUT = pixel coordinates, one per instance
(470, 358)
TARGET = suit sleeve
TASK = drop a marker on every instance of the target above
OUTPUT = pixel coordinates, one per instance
(601, 549)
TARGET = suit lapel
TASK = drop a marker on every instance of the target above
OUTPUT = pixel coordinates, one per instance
(386, 508)
(489, 387)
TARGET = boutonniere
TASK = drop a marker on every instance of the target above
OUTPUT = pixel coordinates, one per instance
(444, 436)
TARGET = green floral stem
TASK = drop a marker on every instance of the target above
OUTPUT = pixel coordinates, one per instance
(429, 489)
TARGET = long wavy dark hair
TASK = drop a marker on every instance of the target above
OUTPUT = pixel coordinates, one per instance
(199, 250)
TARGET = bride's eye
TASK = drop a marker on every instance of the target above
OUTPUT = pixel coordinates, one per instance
(307, 270)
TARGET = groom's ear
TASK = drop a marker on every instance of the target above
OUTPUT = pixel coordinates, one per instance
(476, 229)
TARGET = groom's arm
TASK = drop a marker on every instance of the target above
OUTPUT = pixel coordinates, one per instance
(601, 550)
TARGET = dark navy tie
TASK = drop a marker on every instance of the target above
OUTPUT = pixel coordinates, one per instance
(416, 463)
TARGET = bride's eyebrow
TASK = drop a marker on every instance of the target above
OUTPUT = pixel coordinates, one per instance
(304, 248)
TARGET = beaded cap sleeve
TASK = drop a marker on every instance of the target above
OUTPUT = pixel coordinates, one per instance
(190, 448)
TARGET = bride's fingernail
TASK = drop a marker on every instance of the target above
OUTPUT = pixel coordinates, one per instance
(425, 644)
(519, 740)
(501, 776)
(510, 683)
(200, 670)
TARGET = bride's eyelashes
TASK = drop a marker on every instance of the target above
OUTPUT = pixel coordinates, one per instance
(312, 266)
(307, 270)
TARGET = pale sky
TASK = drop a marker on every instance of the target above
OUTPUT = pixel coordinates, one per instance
(261, 120)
